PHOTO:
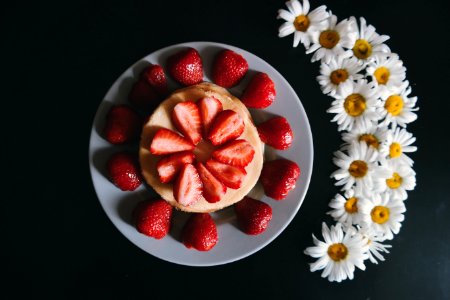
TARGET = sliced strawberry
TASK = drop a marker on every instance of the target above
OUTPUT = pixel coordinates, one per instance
(237, 153)
(122, 125)
(227, 126)
(123, 171)
(200, 232)
(213, 189)
(260, 92)
(209, 107)
(229, 68)
(187, 189)
(186, 118)
(167, 141)
(252, 215)
(278, 177)
(169, 166)
(152, 218)
(186, 66)
(155, 77)
(231, 176)
(143, 96)
(276, 132)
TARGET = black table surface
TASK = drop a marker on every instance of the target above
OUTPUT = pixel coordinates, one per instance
(59, 59)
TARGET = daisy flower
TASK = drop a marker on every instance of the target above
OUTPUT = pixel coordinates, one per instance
(398, 142)
(368, 44)
(300, 22)
(402, 179)
(387, 73)
(359, 166)
(375, 245)
(339, 71)
(381, 214)
(398, 109)
(345, 208)
(331, 41)
(355, 106)
(374, 136)
(339, 254)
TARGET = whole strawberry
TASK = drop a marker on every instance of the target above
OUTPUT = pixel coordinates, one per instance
(278, 177)
(123, 125)
(186, 66)
(152, 218)
(155, 77)
(123, 171)
(143, 96)
(229, 68)
(200, 232)
(260, 92)
(276, 132)
(252, 215)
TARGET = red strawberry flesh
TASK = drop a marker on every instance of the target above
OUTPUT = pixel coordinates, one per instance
(167, 141)
(213, 189)
(230, 176)
(187, 189)
(237, 153)
(186, 118)
(227, 126)
(209, 107)
(169, 166)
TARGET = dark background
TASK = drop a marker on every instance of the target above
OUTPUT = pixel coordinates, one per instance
(58, 61)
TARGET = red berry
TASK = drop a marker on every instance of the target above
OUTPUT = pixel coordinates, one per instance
(252, 215)
(123, 170)
(186, 66)
(155, 77)
(186, 118)
(209, 107)
(143, 96)
(237, 153)
(152, 218)
(169, 166)
(276, 132)
(200, 232)
(227, 126)
(278, 177)
(213, 189)
(187, 189)
(166, 141)
(260, 92)
(229, 68)
(123, 125)
(230, 176)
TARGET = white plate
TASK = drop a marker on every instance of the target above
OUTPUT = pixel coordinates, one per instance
(233, 244)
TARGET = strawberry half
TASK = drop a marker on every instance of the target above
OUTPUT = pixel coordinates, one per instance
(227, 126)
(252, 215)
(155, 77)
(167, 141)
(169, 166)
(143, 96)
(186, 118)
(123, 171)
(229, 68)
(209, 107)
(187, 189)
(152, 218)
(237, 153)
(260, 92)
(200, 232)
(213, 189)
(186, 66)
(276, 132)
(122, 125)
(278, 177)
(230, 176)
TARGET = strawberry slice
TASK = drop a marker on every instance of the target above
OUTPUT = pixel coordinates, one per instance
(231, 176)
(227, 126)
(213, 189)
(155, 77)
(209, 108)
(237, 153)
(187, 189)
(167, 141)
(169, 166)
(186, 118)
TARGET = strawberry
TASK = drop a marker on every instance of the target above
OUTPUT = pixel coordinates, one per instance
(169, 166)
(260, 92)
(143, 96)
(123, 125)
(209, 107)
(230, 176)
(186, 66)
(155, 77)
(186, 118)
(237, 153)
(152, 218)
(200, 232)
(213, 189)
(167, 141)
(278, 177)
(229, 68)
(252, 215)
(276, 132)
(227, 126)
(123, 171)
(187, 189)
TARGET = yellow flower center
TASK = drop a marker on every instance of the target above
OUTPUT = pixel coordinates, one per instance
(395, 150)
(338, 76)
(395, 181)
(380, 214)
(301, 23)
(362, 49)
(394, 105)
(329, 38)
(370, 140)
(358, 168)
(350, 205)
(382, 75)
(355, 105)
(337, 252)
